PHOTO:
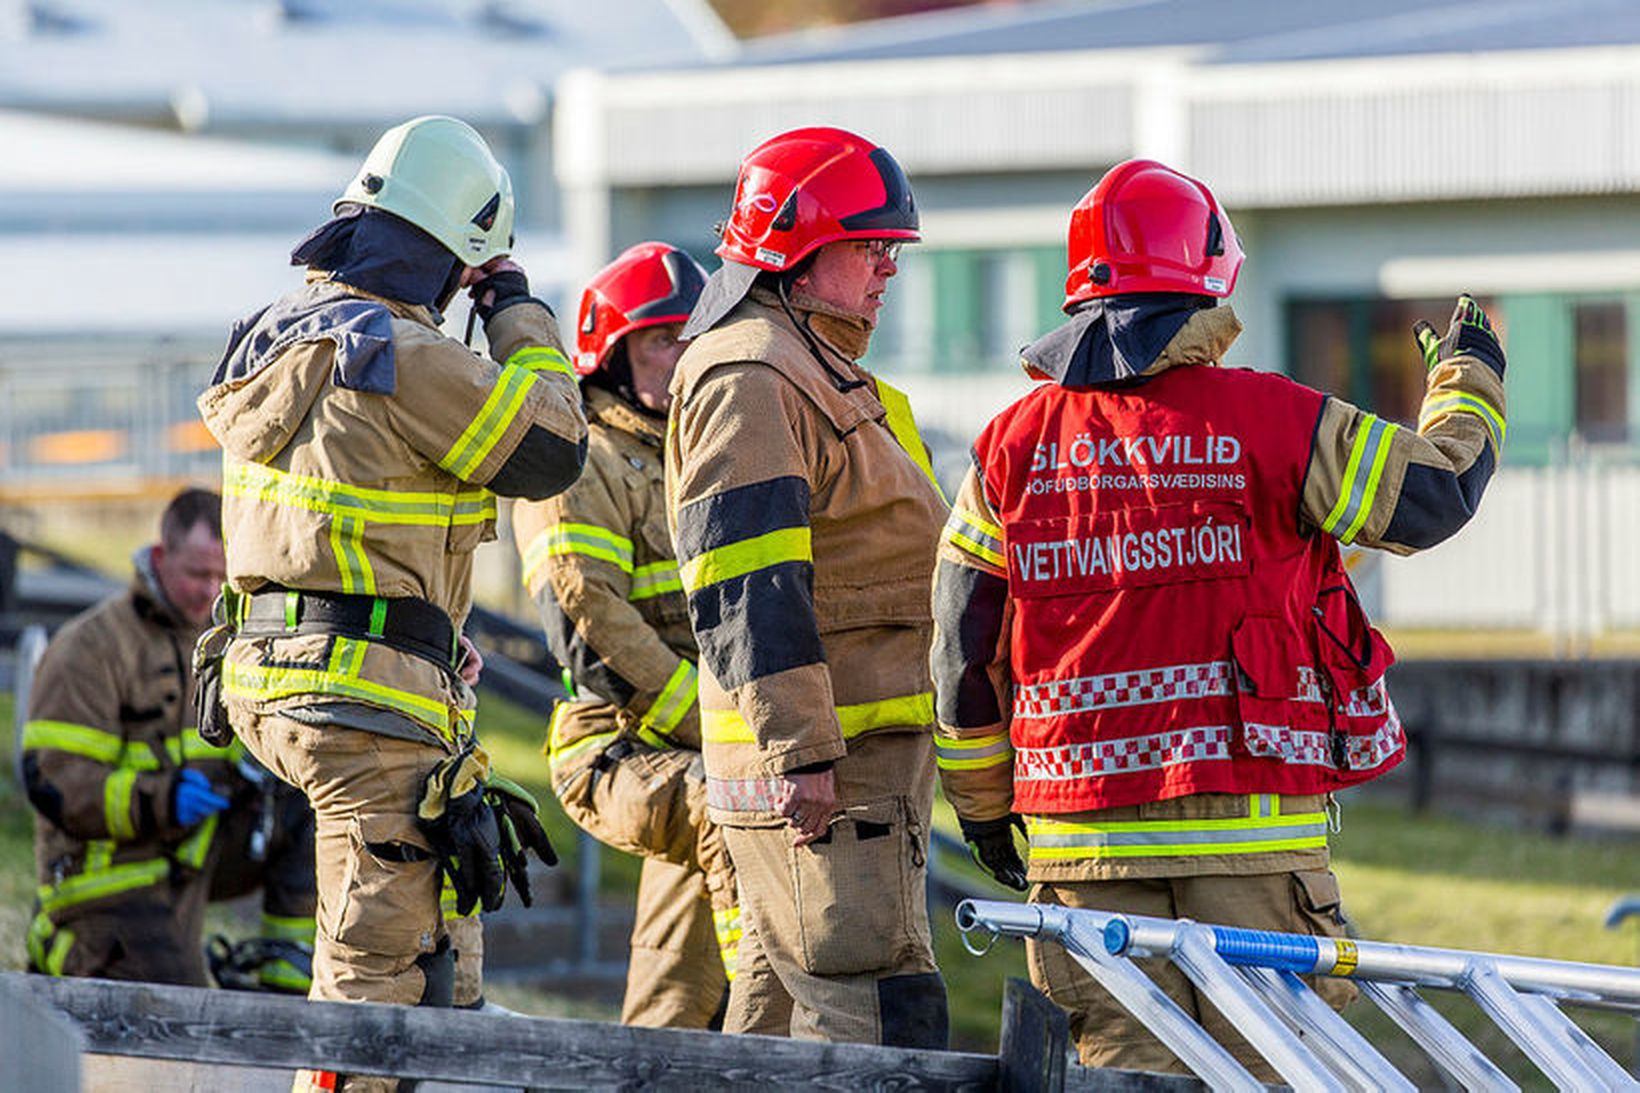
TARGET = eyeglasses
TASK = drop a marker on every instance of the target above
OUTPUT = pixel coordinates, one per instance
(880, 249)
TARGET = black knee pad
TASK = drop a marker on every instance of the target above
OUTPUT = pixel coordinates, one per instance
(438, 969)
(913, 1011)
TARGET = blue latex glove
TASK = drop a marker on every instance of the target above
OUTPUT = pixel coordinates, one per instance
(193, 799)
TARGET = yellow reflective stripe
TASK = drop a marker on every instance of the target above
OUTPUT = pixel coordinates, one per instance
(675, 698)
(1356, 491)
(903, 424)
(347, 545)
(194, 848)
(1158, 850)
(189, 746)
(448, 903)
(655, 579)
(490, 424)
(558, 752)
(736, 559)
(288, 928)
(977, 536)
(560, 756)
(99, 855)
(347, 655)
(1371, 490)
(728, 727)
(1058, 840)
(269, 683)
(654, 739)
(974, 752)
(255, 482)
(285, 976)
(1462, 402)
(40, 931)
(588, 540)
(87, 742)
(542, 358)
(727, 925)
(73, 891)
(117, 789)
(473, 507)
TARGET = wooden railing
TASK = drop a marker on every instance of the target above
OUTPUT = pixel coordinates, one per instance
(232, 1030)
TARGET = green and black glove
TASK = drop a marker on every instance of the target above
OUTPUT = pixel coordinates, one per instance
(1468, 334)
(993, 847)
(519, 819)
(457, 819)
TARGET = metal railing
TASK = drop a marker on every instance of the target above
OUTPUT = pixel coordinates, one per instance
(1252, 978)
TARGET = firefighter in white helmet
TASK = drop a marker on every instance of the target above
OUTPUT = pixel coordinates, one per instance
(363, 452)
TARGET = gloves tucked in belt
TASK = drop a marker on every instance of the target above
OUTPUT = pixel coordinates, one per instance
(993, 846)
(458, 821)
(519, 819)
(480, 824)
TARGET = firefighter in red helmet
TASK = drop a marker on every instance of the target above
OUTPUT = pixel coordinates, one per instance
(1148, 656)
(598, 561)
(806, 517)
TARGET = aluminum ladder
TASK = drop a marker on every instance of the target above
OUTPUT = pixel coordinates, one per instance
(1252, 977)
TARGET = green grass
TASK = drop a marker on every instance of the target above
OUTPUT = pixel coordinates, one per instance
(1421, 880)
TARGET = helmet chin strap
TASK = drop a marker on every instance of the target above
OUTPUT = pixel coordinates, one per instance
(816, 348)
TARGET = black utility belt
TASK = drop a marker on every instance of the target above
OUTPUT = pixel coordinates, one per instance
(407, 623)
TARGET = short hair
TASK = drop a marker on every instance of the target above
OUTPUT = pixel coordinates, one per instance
(191, 507)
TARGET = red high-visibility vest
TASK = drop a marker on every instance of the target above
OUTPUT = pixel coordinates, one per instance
(1176, 629)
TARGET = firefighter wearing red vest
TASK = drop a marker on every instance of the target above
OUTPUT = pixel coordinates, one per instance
(806, 518)
(598, 561)
(1148, 655)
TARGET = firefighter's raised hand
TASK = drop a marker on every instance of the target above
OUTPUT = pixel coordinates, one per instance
(1469, 333)
(496, 285)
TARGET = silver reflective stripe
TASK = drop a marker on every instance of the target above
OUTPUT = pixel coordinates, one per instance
(1313, 749)
(745, 794)
(1317, 829)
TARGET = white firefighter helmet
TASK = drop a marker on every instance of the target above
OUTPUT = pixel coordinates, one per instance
(438, 173)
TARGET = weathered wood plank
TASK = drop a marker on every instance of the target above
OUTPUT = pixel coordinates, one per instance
(39, 1048)
(259, 1030)
(1035, 1037)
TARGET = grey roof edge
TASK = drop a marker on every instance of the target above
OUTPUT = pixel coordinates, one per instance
(708, 29)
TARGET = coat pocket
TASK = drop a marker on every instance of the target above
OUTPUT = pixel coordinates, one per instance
(1266, 655)
(855, 888)
(387, 898)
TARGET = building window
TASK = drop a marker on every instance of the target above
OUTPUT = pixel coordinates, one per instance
(1600, 368)
(1363, 351)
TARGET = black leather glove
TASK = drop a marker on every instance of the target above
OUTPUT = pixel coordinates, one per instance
(992, 842)
(458, 821)
(518, 816)
(1468, 334)
(510, 287)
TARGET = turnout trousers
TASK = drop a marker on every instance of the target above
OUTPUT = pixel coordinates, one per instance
(381, 935)
(835, 940)
(652, 802)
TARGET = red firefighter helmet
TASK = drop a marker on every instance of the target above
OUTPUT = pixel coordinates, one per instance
(647, 285)
(1147, 228)
(809, 187)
